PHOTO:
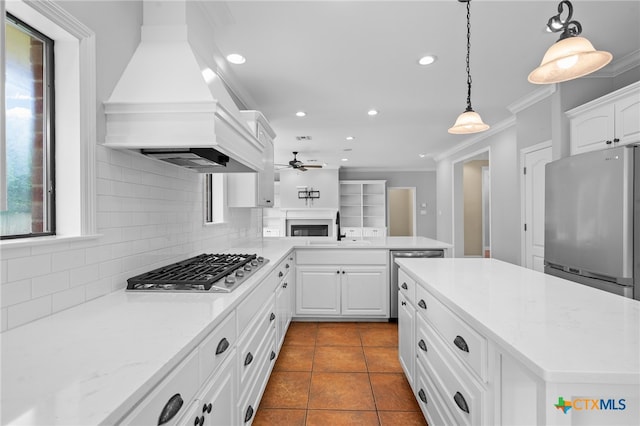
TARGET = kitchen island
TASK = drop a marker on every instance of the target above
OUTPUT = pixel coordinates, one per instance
(487, 342)
(100, 362)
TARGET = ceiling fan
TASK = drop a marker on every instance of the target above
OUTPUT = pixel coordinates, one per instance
(298, 165)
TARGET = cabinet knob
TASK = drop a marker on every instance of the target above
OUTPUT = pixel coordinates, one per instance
(272, 317)
(616, 140)
(199, 421)
(422, 396)
(422, 345)
(422, 304)
(170, 409)
(223, 345)
(248, 359)
(272, 356)
(608, 142)
(461, 344)
(461, 402)
(249, 414)
(206, 408)
(403, 303)
(280, 274)
(405, 286)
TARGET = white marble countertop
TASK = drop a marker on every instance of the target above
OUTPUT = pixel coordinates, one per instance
(562, 331)
(90, 364)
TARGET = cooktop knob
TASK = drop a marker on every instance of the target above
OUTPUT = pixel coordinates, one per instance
(247, 267)
(239, 273)
(254, 263)
(229, 279)
(260, 259)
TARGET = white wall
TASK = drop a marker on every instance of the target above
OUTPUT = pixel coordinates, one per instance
(148, 213)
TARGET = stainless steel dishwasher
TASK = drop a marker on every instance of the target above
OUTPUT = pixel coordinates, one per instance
(393, 281)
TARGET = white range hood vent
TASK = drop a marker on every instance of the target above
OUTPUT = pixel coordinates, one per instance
(167, 99)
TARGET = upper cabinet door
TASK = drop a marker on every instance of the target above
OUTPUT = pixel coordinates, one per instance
(627, 112)
(591, 130)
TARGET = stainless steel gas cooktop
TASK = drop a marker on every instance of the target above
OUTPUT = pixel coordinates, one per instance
(215, 273)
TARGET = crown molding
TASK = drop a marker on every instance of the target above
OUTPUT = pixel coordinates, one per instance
(532, 98)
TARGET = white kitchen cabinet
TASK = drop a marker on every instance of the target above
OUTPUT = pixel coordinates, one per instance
(294, 184)
(363, 207)
(364, 290)
(406, 325)
(342, 283)
(610, 120)
(317, 290)
(284, 299)
(255, 189)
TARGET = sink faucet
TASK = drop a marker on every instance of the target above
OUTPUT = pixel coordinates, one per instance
(340, 236)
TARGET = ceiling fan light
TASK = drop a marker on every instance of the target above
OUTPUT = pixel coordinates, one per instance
(468, 122)
(570, 58)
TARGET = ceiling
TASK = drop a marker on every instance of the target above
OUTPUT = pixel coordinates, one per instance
(335, 60)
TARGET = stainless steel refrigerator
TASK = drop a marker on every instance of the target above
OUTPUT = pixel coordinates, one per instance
(592, 219)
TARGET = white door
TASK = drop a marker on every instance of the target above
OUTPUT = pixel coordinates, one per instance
(534, 161)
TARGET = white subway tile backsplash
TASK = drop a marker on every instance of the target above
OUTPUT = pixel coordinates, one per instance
(149, 214)
(28, 267)
(67, 298)
(50, 283)
(84, 275)
(23, 313)
(68, 260)
(15, 292)
(3, 319)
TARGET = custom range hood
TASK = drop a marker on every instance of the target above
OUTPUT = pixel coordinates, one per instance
(170, 105)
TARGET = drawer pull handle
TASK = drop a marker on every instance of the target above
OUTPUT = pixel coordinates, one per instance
(199, 421)
(272, 356)
(222, 346)
(286, 266)
(422, 396)
(272, 317)
(206, 408)
(422, 304)
(248, 359)
(280, 274)
(422, 345)
(405, 286)
(460, 402)
(461, 344)
(249, 414)
(170, 409)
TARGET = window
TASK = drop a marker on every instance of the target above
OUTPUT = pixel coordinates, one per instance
(29, 142)
(214, 198)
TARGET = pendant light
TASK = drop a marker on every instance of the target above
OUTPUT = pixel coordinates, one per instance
(469, 121)
(571, 56)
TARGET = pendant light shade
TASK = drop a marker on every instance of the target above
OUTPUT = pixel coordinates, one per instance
(571, 56)
(469, 121)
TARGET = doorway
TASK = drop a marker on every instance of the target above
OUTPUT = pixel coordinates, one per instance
(402, 211)
(472, 205)
(533, 161)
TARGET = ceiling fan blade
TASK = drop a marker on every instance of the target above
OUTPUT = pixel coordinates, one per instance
(312, 166)
(301, 168)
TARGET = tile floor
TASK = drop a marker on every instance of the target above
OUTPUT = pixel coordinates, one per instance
(339, 374)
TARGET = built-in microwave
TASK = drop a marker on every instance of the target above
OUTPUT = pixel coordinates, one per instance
(309, 230)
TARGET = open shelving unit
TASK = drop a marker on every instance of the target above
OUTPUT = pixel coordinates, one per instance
(363, 208)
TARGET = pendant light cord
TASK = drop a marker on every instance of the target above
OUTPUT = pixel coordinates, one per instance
(468, 54)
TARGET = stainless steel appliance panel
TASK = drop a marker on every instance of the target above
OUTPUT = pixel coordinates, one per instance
(393, 279)
(589, 214)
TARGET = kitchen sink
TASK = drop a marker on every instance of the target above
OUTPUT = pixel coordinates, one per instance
(342, 243)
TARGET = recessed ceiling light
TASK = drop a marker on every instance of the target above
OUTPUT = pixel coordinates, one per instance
(347, 149)
(345, 159)
(427, 60)
(421, 155)
(372, 112)
(236, 58)
(349, 138)
(301, 114)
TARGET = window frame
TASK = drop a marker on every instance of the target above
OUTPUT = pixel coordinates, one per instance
(48, 131)
(214, 199)
(76, 109)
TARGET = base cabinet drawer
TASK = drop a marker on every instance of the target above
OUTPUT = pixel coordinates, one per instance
(461, 392)
(171, 399)
(433, 407)
(468, 345)
(252, 346)
(217, 346)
